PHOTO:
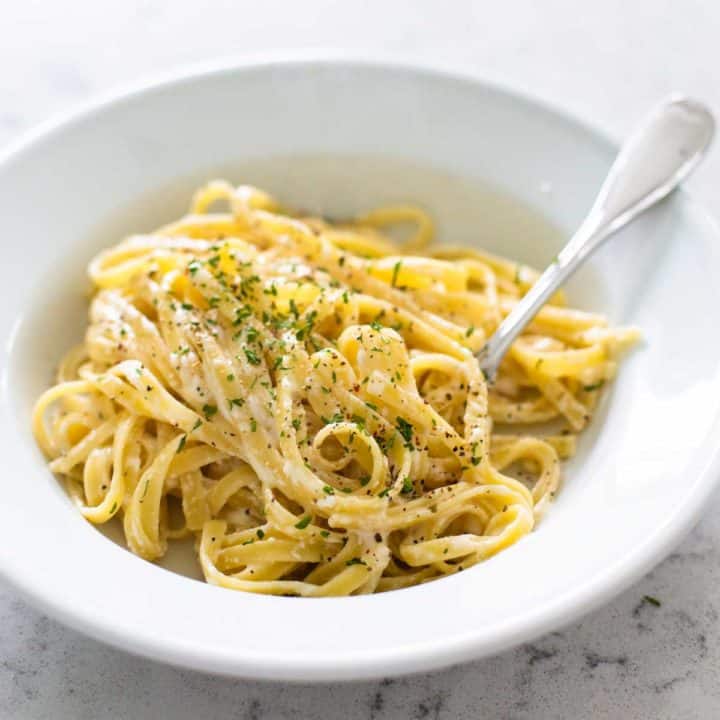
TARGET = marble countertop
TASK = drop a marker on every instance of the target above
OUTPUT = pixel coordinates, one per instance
(605, 62)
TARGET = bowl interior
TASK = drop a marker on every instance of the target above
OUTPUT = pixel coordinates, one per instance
(495, 171)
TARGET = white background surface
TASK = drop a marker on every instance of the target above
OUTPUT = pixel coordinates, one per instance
(605, 62)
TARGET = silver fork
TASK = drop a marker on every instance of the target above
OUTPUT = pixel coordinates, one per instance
(661, 153)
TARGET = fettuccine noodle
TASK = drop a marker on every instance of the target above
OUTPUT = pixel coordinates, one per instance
(301, 396)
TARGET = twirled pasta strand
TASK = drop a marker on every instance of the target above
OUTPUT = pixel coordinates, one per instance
(302, 397)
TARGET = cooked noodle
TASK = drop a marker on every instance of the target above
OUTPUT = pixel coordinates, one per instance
(301, 396)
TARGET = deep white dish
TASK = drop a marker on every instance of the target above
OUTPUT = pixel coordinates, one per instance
(341, 136)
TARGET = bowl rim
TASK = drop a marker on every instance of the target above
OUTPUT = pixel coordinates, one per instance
(571, 606)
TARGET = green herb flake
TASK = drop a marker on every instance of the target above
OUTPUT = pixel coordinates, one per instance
(407, 486)
(652, 600)
(181, 444)
(328, 490)
(251, 356)
(404, 428)
(209, 411)
(355, 561)
(260, 533)
(303, 523)
(594, 386)
(242, 313)
(396, 270)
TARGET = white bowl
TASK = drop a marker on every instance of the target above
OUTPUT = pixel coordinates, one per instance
(342, 136)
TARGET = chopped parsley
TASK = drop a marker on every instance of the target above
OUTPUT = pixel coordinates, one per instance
(209, 411)
(406, 431)
(594, 386)
(242, 313)
(260, 533)
(355, 561)
(251, 356)
(396, 270)
(306, 329)
(652, 600)
(181, 444)
(407, 486)
(328, 490)
(303, 523)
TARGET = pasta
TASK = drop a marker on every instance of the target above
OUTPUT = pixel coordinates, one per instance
(301, 397)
